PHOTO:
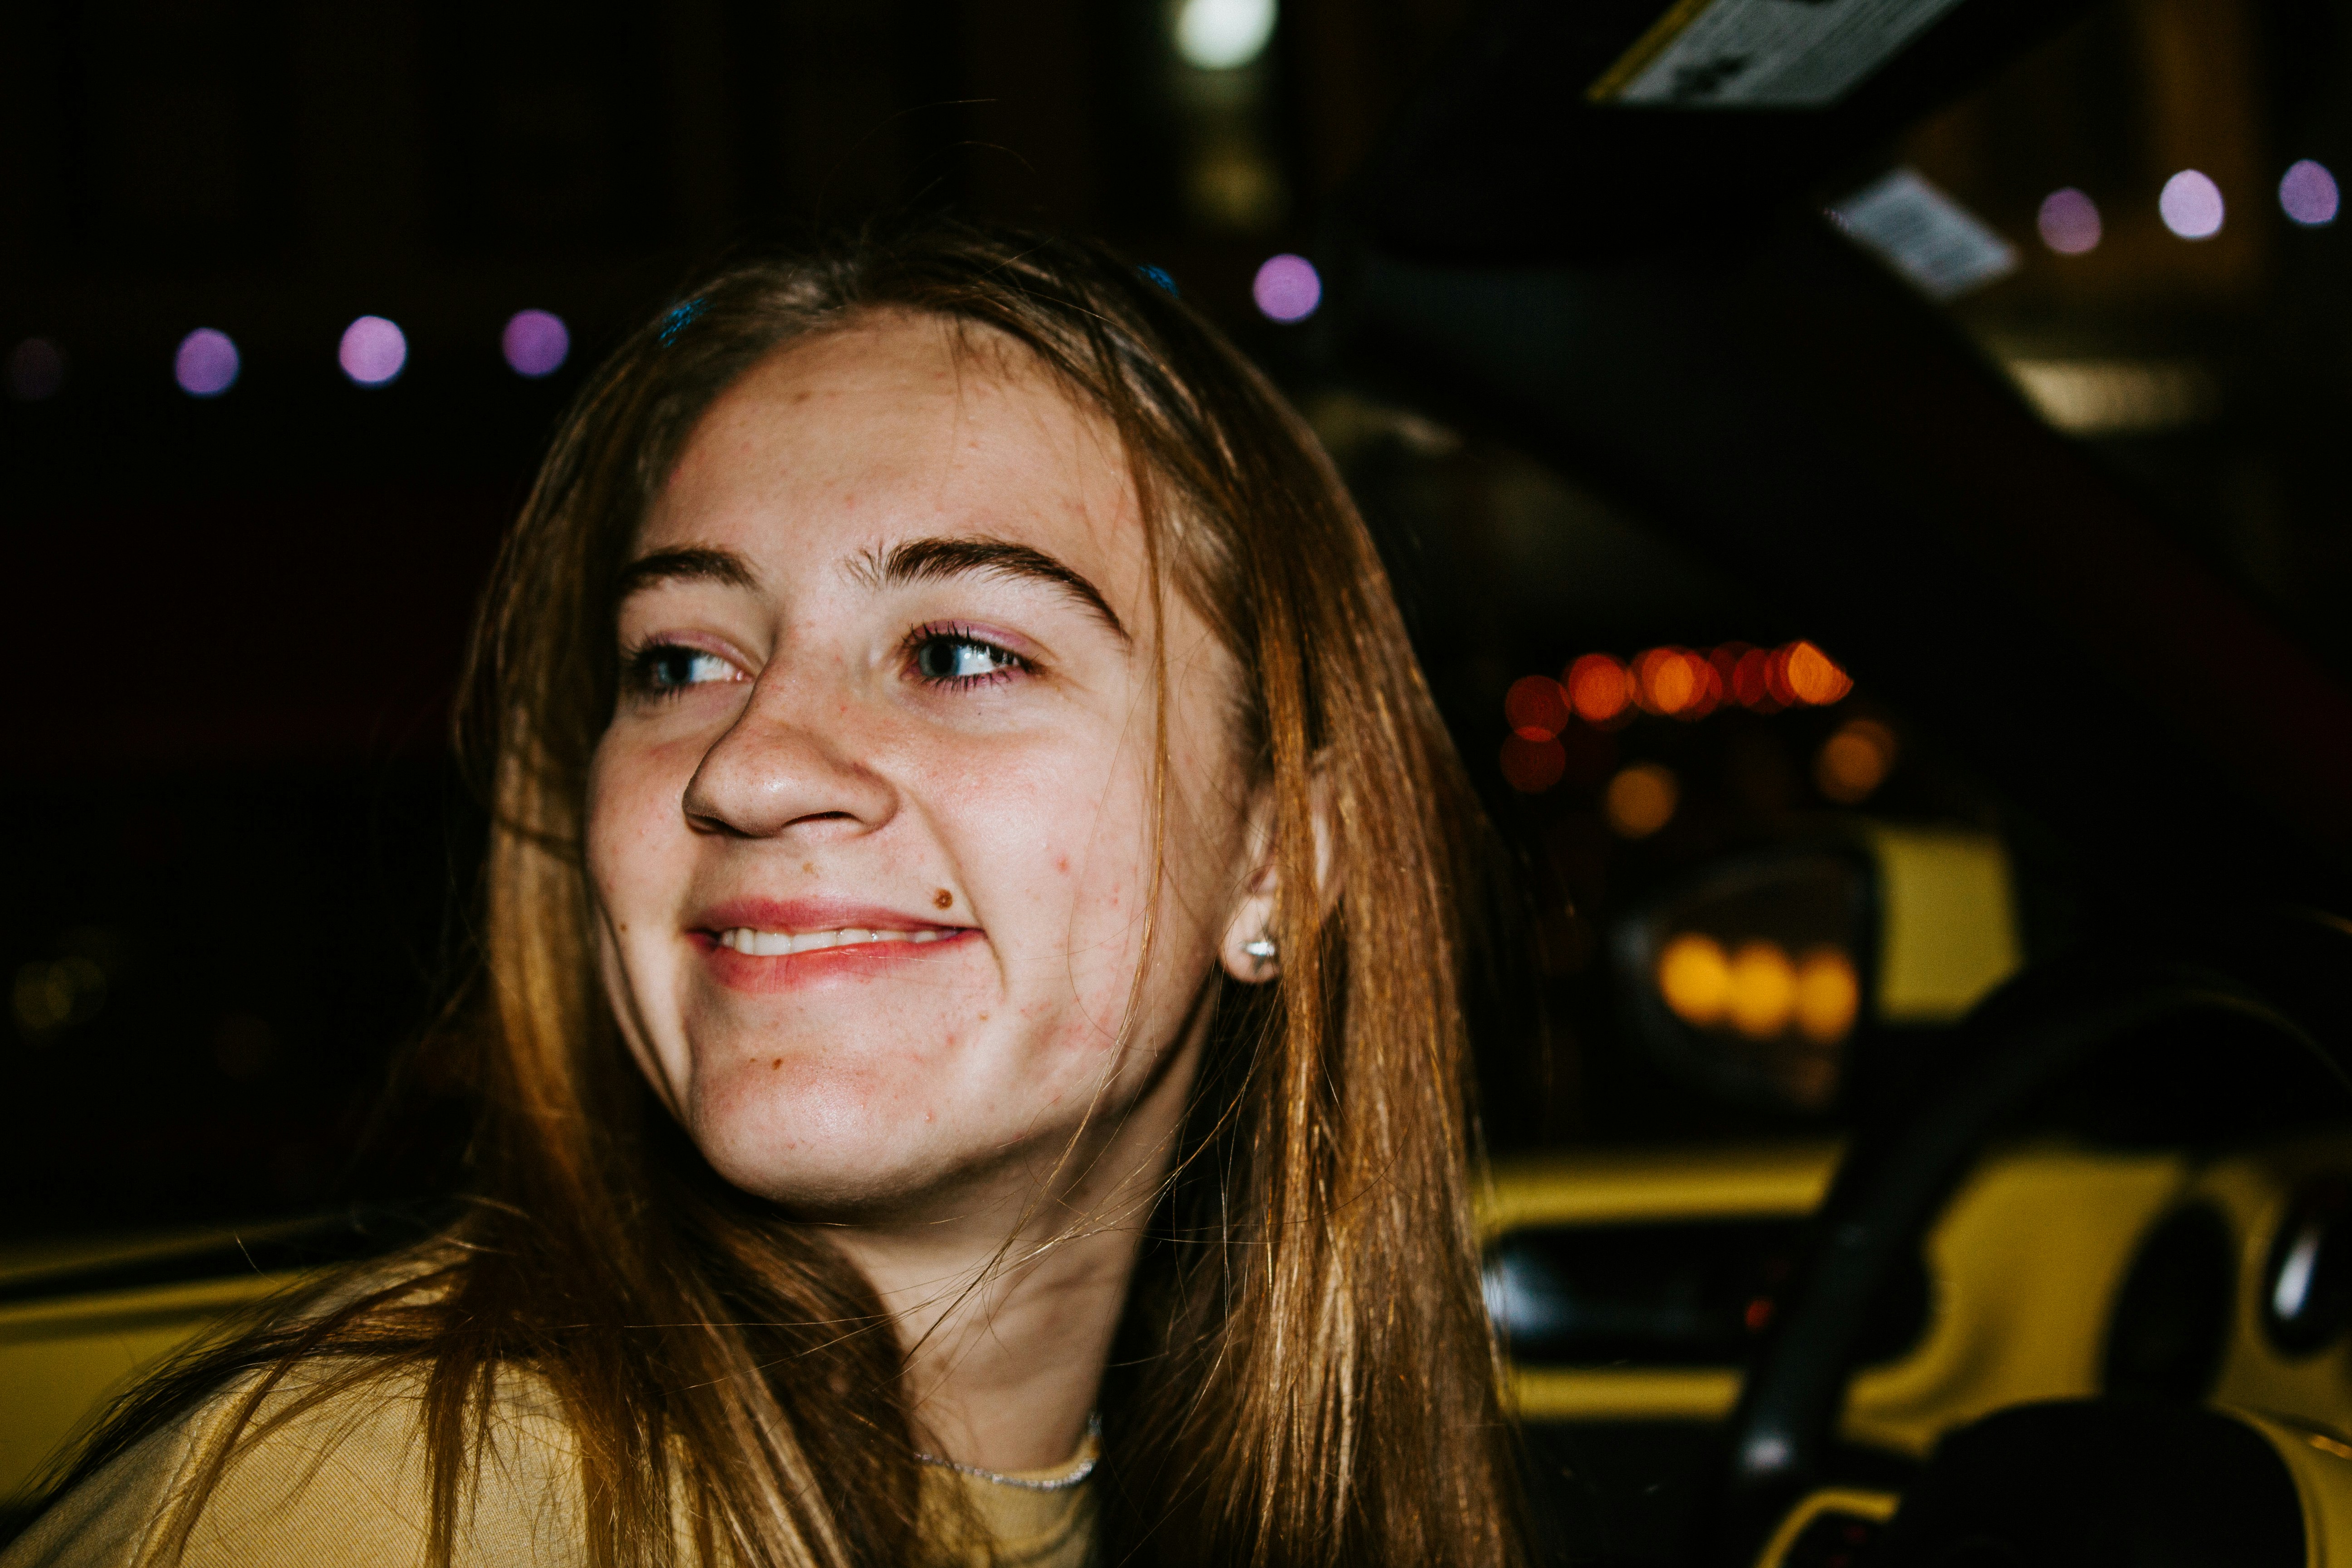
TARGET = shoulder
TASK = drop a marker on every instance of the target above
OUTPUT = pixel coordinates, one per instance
(328, 1466)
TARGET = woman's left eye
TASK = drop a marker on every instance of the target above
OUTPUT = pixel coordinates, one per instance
(948, 658)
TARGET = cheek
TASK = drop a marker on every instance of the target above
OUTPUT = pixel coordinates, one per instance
(1098, 880)
(633, 828)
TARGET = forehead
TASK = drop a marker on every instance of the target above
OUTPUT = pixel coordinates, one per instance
(896, 426)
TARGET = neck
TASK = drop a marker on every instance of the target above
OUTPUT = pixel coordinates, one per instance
(1006, 1298)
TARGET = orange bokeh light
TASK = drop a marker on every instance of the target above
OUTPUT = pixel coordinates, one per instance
(1640, 800)
(1812, 677)
(1598, 687)
(1694, 977)
(1856, 761)
(1707, 696)
(1664, 680)
(1682, 683)
(1763, 996)
(1724, 662)
(1532, 766)
(1828, 996)
(1537, 707)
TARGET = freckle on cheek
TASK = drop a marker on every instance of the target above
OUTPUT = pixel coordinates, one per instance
(942, 898)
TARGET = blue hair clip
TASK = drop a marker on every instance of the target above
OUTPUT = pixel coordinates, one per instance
(1160, 275)
(679, 315)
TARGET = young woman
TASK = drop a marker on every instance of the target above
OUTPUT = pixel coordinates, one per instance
(970, 1057)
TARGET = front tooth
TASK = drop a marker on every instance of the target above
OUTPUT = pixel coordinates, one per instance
(769, 943)
(811, 942)
(853, 934)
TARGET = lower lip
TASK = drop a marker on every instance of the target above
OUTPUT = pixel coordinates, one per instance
(793, 971)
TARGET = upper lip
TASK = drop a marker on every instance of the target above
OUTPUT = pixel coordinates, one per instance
(813, 913)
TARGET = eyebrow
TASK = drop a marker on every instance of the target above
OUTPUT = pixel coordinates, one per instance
(696, 565)
(931, 559)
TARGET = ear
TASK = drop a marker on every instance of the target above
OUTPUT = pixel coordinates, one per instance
(1248, 950)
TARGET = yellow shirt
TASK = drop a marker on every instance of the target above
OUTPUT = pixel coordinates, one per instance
(344, 1484)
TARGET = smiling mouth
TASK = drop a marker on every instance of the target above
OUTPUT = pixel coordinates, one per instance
(756, 944)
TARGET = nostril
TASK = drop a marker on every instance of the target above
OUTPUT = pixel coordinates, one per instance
(762, 779)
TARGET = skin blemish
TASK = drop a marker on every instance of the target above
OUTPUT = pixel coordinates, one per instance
(1062, 864)
(776, 1064)
(942, 898)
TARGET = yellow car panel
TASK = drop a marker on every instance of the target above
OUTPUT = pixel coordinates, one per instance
(63, 1359)
(2024, 1267)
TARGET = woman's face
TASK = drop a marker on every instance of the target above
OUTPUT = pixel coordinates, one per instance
(871, 834)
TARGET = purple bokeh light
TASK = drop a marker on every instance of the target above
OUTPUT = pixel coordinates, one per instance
(2069, 222)
(207, 364)
(2308, 194)
(535, 343)
(36, 368)
(1288, 287)
(2191, 205)
(372, 351)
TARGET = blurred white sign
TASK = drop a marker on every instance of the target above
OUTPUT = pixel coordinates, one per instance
(1764, 53)
(1925, 235)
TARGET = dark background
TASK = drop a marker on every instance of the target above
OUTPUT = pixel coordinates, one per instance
(226, 802)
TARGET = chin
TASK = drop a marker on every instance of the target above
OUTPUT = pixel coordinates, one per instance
(822, 1140)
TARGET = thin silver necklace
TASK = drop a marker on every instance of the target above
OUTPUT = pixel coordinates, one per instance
(1078, 1472)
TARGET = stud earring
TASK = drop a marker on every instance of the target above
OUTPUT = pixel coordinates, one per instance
(1262, 948)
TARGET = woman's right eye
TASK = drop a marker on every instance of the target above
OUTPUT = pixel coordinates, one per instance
(667, 668)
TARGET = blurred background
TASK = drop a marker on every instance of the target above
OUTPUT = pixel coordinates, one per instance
(292, 294)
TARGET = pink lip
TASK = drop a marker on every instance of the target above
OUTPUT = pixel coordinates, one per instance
(743, 972)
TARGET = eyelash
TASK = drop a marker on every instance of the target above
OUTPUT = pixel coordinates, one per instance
(641, 664)
(1004, 661)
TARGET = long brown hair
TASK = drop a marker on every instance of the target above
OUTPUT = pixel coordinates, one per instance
(1304, 1374)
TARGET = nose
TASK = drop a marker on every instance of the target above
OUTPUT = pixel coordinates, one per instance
(791, 764)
